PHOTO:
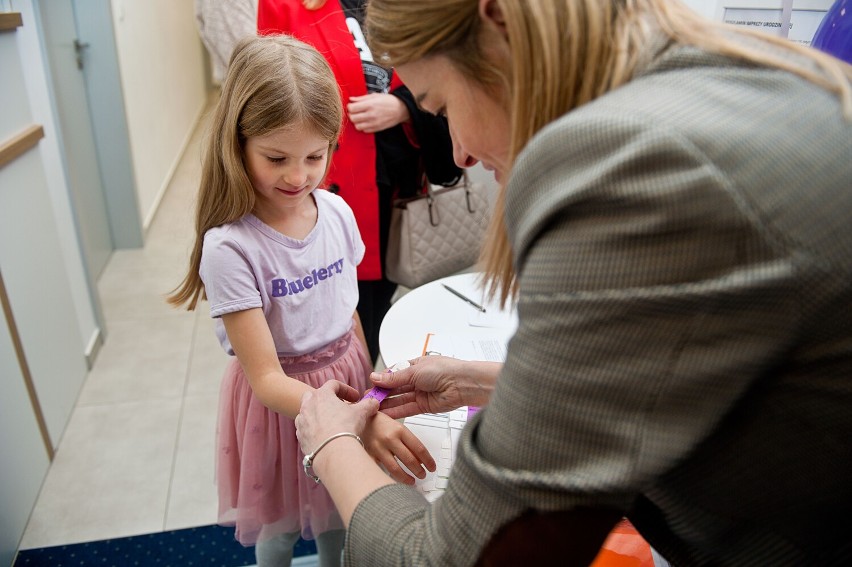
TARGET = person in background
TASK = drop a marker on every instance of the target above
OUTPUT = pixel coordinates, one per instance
(276, 257)
(387, 144)
(674, 223)
(221, 24)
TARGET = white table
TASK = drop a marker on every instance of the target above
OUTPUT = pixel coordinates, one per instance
(430, 308)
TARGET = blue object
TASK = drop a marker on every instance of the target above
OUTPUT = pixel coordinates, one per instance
(206, 545)
(834, 34)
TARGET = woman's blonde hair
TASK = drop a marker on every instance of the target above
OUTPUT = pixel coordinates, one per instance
(273, 81)
(562, 54)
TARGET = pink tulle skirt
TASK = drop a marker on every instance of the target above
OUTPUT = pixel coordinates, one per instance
(258, 460)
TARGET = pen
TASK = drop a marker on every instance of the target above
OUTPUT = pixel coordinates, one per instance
(459, 295)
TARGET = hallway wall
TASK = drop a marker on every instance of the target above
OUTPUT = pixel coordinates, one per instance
(163, 76)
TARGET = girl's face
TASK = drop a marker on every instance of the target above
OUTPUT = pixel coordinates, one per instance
(284, 167)
(479, 124)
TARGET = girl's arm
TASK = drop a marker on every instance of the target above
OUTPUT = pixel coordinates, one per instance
(386, 439)
(359, 332)
(252, 343)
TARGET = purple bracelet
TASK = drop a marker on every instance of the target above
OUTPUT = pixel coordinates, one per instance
(380, 394)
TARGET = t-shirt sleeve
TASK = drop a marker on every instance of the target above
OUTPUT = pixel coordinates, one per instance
(226, 271)
(350, 228)
(357, 242)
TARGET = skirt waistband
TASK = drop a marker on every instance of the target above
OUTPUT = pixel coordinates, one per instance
(318, 359)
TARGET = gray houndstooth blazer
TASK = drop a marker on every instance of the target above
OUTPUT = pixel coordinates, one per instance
(684, 354)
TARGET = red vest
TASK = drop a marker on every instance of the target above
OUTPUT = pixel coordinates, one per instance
(353, 166)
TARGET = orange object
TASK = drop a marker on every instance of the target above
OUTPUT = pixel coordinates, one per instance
(624, 547)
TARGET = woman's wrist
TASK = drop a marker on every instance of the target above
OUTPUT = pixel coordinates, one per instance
(335, 455)
(349, 474)
(308, 461)
(481, 378)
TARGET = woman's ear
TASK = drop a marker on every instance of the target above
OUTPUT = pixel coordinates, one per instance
(489, 11)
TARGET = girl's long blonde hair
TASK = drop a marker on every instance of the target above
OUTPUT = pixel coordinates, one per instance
(562, 54)
(273, 81)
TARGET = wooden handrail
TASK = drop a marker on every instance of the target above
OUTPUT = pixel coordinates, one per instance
(20, 143)
(10, 21)
(6, 307)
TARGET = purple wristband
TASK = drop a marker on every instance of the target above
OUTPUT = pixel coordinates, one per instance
(380, 394)
(377, 393)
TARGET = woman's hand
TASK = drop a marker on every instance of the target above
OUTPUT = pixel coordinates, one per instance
(325, 412)
(434, 384)
(346, 470)
(388, 440)
(375, 112)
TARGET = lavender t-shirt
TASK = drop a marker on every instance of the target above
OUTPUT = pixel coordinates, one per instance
(308, 289)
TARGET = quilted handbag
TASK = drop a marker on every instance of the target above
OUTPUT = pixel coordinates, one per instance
(436, 234)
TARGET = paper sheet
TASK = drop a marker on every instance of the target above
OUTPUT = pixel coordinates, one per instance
(492, 349)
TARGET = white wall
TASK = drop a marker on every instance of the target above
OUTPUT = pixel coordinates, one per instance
(26, 462)
(704, 7)
(40, 332)
(163, 77)
(39, 95)
(715, 8)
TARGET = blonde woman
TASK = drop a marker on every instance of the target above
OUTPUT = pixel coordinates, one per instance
(675, 228)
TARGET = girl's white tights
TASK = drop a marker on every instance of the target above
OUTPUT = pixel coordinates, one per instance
(278, 551)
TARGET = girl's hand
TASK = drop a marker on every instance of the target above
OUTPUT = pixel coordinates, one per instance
(375, 112)
(325, 412)
(388, 440)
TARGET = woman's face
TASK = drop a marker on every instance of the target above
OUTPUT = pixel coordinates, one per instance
(479, 124)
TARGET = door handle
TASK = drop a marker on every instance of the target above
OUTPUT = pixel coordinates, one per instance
(79, 46)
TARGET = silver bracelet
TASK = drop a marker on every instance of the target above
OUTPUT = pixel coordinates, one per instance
(308, 461)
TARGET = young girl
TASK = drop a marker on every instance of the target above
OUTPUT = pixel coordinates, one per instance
(277, 262)
(387, 143)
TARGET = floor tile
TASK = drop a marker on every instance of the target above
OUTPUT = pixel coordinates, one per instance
(193, 500)
(141, 360)
(110, 476)
(135, 284)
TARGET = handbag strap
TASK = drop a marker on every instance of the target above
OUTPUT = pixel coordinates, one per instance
(430, 197)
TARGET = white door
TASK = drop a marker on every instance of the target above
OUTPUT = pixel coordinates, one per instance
(64, 46)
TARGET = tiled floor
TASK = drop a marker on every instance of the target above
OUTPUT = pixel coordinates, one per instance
(137, 455)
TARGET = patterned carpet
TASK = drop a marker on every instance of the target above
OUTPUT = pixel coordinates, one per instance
(208, 545)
